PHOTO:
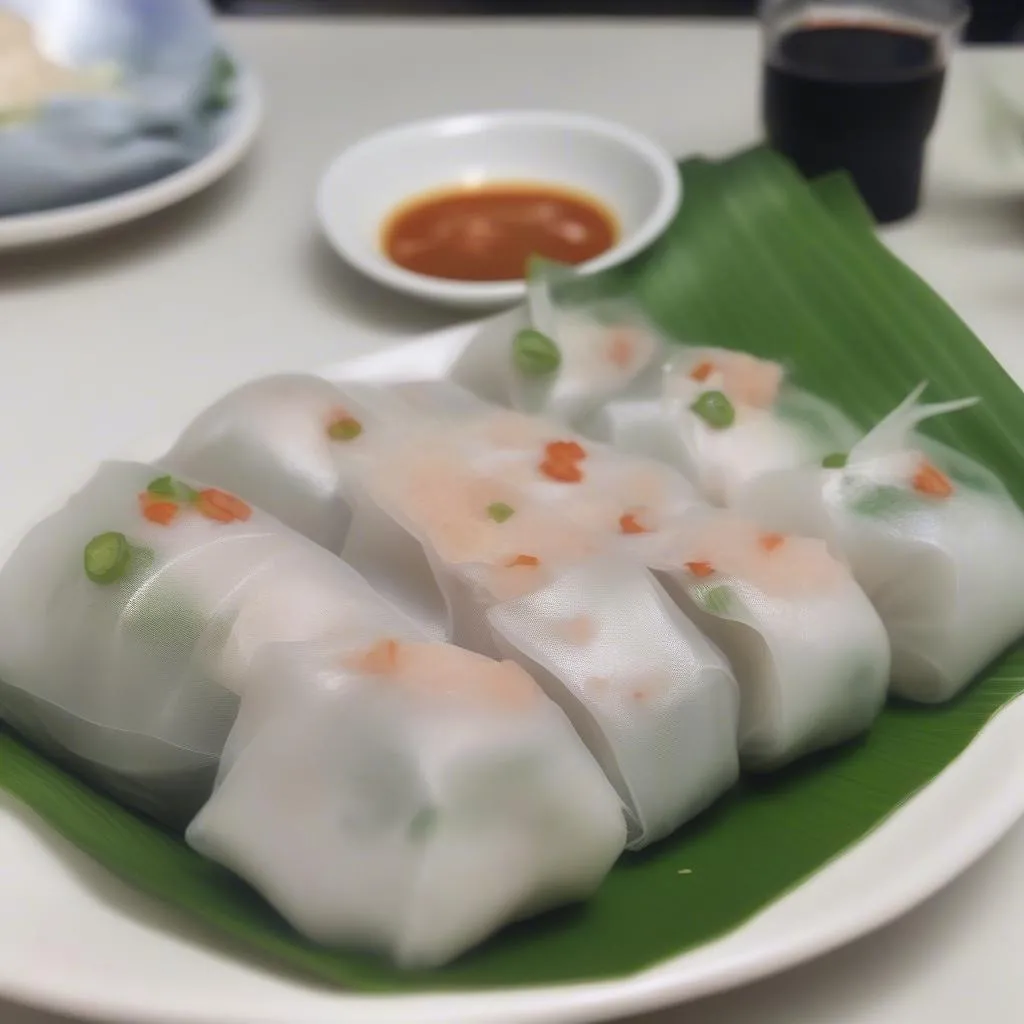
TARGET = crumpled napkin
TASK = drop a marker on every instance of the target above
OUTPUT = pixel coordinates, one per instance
(140, 85)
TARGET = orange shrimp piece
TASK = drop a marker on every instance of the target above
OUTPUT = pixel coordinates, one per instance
(563, 472)
(622, 349)
(221, 506)
(702, 371)
(931, 481)
(158, 510)
(578, 630)
(771, 541)
(381, 659)
(529, 561)
(700, 569)
(565, 451)
(561, 461)
(629, 523)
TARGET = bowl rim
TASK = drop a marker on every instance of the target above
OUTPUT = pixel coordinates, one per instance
(487, 293)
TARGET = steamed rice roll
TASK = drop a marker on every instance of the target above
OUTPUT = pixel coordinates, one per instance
(575, 357)
(406, 798)
(491, 568)
(724, 418)
(612, 492)
(808, 650)
(289, 444)
(130, 618)
(933, 538)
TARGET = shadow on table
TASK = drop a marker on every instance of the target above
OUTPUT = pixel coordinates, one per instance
(106, 251)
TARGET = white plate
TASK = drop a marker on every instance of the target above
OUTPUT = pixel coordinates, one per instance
(76, 941)
(236, 130)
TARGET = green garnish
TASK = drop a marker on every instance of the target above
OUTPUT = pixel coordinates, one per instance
(535, 354)
(168, 487)
(499, 511)
(714, 409)
(837, 460)
(423, 824)
(884, 502)
(107, 557)
(345, 429)
(716, 600)
(222, 77)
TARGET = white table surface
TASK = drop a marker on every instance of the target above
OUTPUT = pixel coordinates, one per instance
(130, 334)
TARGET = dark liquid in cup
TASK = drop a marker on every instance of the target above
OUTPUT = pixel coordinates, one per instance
(863, 98)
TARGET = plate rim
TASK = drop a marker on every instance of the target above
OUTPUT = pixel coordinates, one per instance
(993, 812)
(24, 230)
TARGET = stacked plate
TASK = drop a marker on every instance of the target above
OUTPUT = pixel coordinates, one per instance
(111, 109)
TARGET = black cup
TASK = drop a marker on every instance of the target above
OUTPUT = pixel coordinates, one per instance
(858, 91)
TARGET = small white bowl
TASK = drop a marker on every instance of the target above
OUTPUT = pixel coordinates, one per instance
(630, 175)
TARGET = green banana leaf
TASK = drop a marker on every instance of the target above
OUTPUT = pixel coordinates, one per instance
(757, 259)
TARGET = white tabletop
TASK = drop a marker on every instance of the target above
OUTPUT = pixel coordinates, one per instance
(131, 334)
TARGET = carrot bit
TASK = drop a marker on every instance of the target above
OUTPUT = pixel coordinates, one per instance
(621, 349)
(381, 659)
(565, 451)
(221, 506)
(629, 523)
(702, 371)
(771, 541)
(701, 569)
(523, 560)
(565, 472)
(158, 510)
(931, 481)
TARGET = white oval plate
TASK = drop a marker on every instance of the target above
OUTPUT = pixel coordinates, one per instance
(236, 132)
(76, 941)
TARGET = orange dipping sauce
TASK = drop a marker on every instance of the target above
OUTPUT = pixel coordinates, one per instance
(488, 232)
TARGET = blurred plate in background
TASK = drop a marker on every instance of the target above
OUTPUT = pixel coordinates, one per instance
(235, 131)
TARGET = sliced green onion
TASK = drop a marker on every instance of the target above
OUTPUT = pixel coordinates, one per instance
(535, 354)
(168, 487)
(107, 557)
(714, 409)
(885, 502)
(716, 600)
(499, 511)
(345, 429)
(837, 460)
(423, 824)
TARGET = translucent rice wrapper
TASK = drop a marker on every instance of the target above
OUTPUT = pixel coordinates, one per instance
(135, 680)
(603, 350)
(933, 538)
(293, 444)
(406, 798)
(615, 494)
(136, 86)
(481, 563)
(724, 418)
(808, 649)
(809, 652)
